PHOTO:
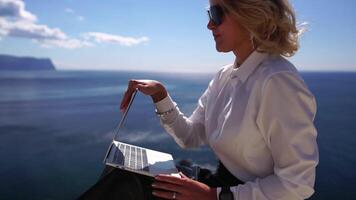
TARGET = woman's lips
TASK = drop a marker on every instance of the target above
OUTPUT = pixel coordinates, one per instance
(216, 36)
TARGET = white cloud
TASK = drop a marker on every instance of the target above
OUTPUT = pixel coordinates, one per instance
(25, 29)
(15, 9)
(68, 44)
(68, 10)
(42, 34)
(80, 18)
(71, 11)
(114, 39)
(15, 21)
(3, 31)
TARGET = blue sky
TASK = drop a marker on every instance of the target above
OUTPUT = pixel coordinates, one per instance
(159, 35)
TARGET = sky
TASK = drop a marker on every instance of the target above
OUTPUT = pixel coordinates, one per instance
(159, 35)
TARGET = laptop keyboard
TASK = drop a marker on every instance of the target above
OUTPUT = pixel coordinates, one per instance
(131, 157)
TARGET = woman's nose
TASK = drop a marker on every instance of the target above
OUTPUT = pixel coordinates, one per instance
(211, 25)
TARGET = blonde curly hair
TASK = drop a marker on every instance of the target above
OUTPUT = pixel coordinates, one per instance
(271, 23)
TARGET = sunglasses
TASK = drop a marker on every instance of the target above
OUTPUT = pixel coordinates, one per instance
(216, 14)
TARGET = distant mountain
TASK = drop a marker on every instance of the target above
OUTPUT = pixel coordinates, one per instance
(8, 62)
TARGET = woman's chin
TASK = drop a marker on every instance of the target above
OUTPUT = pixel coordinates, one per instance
(222, 49)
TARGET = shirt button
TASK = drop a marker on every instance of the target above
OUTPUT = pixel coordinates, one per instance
(232, 75)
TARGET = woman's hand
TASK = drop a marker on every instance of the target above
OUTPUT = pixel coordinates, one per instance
(182, 188)
(148, 87)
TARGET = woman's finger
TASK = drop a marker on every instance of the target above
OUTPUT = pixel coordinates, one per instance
(170, 179)
(142, 87)
(125, 100)
(166, 194)
(167, 186)
(147, 87)
(131, 86)
(182, 175)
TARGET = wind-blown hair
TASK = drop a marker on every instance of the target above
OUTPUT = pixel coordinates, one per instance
(271, 23)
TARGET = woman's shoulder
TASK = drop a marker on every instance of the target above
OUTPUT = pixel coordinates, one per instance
(277, 66)
(277, 71)
(225, 69)
(223, 72)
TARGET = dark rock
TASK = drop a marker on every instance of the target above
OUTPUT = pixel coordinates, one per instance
(8, 62)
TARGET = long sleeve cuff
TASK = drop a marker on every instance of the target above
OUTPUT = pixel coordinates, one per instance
(165, 104)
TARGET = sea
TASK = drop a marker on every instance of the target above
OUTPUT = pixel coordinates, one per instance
(55, 127)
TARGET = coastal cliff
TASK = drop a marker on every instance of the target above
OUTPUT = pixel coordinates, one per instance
(8, 62)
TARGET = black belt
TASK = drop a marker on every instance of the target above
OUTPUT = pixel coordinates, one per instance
(221, 178)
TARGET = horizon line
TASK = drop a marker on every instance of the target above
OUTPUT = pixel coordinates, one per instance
(194, 72)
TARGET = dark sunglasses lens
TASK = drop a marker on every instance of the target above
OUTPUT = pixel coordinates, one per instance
(216, 14)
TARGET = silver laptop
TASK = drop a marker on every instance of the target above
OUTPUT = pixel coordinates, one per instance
(138, 159)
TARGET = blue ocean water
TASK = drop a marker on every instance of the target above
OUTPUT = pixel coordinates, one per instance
(55, 128)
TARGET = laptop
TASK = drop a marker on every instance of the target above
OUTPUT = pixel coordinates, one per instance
(138, 159)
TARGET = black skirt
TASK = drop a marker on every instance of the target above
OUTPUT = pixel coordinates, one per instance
(117, 184)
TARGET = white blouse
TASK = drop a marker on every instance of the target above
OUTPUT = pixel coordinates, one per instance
(258, 119)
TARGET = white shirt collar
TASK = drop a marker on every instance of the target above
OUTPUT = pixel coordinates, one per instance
(248, 66)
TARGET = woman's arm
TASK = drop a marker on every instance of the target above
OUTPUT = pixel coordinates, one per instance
(188, 132)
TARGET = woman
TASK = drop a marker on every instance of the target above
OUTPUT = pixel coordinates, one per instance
(256, 114)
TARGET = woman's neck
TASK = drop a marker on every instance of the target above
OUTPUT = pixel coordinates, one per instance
(242, 53)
